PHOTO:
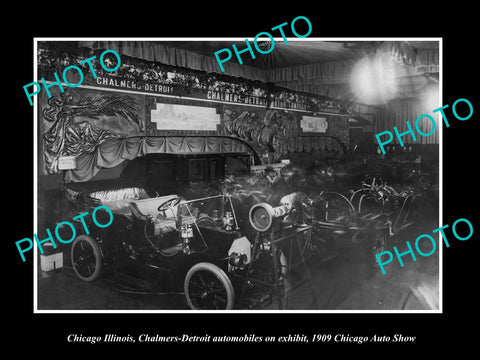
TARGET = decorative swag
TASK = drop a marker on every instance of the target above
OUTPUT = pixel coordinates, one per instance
(86, 124)
(113, 152)
(186, 81)
(102, 129)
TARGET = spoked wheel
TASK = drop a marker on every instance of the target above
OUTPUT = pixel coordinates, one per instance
(86, 258)
(334, 207)
(207, 287)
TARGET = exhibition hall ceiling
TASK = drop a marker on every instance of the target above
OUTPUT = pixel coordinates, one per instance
(296, 52)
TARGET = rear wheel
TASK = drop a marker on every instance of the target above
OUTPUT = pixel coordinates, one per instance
(86, 258)
(207, 287)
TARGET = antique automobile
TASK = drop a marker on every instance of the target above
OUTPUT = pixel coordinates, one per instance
(397, 206)
(370, 216)
(335, 222)
(174, 245)
(335, 225)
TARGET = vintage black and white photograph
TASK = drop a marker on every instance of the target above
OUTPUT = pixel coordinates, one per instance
(238, 175)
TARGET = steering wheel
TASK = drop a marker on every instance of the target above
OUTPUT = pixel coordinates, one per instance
(169, 204)
(372, 184)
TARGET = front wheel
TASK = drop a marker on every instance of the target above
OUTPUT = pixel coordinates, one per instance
(86, 258)
(207, 287)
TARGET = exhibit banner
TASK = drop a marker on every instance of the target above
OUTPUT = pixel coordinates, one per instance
(135, 75)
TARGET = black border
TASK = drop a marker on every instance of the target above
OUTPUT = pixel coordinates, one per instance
(434, 332)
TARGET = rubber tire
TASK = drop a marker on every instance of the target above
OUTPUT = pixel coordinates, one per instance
(219, 274)
(96, 252)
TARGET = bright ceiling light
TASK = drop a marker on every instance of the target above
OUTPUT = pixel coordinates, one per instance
(373, 79)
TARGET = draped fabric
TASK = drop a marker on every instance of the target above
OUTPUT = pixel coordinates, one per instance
(113, 152)
(312, 143)
(427, 57)
(398, 112)
(335, 72)
(327, 78)
(165, 54)
(333, 78)
(324, 73)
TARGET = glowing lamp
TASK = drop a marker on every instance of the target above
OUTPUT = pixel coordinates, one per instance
(373, 79)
